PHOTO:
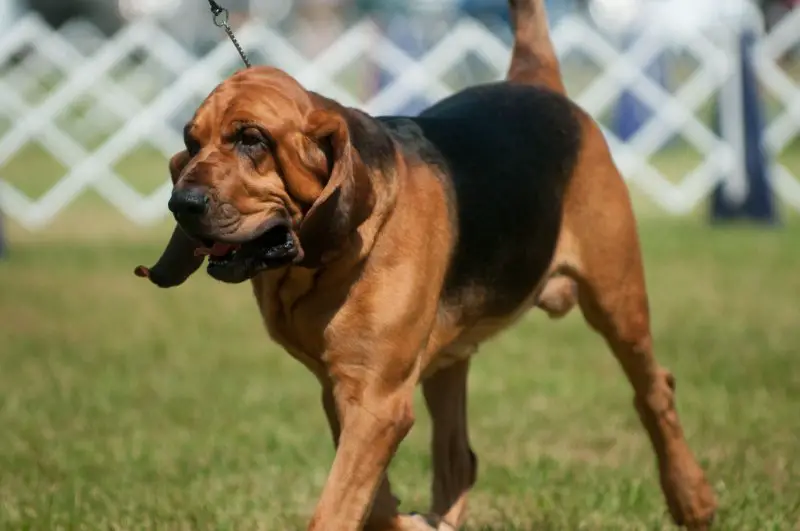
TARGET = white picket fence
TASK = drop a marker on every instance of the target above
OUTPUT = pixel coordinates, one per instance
(128, 104)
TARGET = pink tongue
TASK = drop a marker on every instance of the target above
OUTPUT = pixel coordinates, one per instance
(218, 249)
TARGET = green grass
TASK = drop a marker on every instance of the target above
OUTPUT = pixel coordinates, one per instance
(127, 407)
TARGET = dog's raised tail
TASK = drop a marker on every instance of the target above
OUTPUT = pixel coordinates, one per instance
(533, 60)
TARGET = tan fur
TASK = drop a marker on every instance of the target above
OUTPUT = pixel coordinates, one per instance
(370, 324)
(601, 253)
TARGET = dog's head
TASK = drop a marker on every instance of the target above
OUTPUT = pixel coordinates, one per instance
(268, 179)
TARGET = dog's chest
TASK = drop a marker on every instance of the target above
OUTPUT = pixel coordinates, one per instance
(288, 314)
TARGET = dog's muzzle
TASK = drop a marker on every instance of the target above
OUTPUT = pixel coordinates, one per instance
(276, 246)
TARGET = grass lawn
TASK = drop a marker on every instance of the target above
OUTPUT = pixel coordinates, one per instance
(126, 407)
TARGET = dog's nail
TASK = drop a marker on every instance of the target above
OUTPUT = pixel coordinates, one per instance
(142, 272)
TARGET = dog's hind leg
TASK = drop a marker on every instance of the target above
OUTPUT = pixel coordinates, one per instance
(454, 463)
(600, 249)
(533, 58)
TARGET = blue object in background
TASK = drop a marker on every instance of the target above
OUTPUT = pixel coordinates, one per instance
(759, 203)
(631, 113)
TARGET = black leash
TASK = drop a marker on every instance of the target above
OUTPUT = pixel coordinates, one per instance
(221, 21)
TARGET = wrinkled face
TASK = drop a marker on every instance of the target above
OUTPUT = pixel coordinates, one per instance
(253, 167)
(269, 178)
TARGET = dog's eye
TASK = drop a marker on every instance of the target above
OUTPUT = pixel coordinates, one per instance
(251, 137)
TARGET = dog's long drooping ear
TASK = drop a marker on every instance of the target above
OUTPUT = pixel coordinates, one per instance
(346, 198)
(178, 261)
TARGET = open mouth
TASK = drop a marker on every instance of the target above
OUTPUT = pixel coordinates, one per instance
(234, 263)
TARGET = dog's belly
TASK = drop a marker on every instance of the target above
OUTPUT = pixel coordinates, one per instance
(453, 340)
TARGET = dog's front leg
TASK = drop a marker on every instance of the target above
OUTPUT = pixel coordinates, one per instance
(384, 513)
(375, 414)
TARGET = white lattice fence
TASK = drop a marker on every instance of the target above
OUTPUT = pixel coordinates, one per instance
(783, 129)
(88, 103)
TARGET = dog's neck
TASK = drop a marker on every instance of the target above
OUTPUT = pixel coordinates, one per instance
(297, 302)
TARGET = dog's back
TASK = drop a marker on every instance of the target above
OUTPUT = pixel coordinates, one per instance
(506, 153)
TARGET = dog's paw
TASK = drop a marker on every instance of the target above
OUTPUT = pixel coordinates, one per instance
(403, 522)
(415, 522)
(428, 523)
(691, 500)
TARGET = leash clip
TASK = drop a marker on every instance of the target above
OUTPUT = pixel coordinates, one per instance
(221, 18)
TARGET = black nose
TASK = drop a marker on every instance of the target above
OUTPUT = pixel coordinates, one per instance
(188, 202)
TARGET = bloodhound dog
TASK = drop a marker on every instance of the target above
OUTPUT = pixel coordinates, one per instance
(383, 250)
